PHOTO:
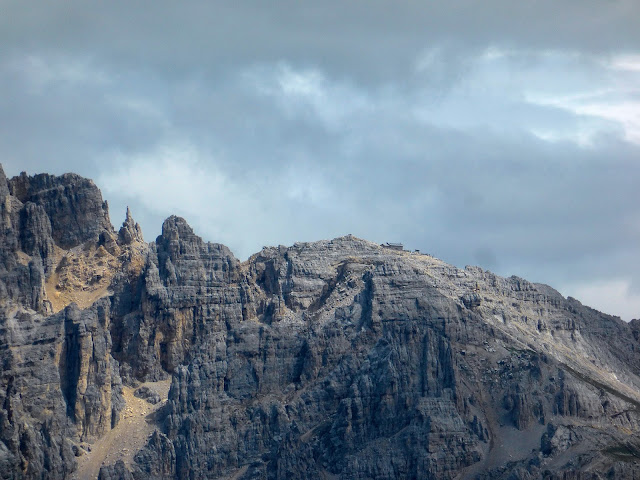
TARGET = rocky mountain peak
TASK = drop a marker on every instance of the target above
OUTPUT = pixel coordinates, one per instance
(4, 184)
(176, 228)
(331, 359)
(73, 204)
(130, 231)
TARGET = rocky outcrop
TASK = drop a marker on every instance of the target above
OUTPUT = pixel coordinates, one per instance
(73, 204)
(89, 376)
(35, 233)
(149, 395)
(156, 460)
(60, 387)
(4, 184)
(182, 278)
(331, 359)
(130, 231)
(42, 216)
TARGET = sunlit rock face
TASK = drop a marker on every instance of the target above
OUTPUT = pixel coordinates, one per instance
(331, 359)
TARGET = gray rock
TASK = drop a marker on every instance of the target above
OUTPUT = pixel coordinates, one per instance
(118, 471)
(130, 231)
(4, 185)
(156, 460)
(332, 359)
(35, 233)
(147, 394)
(59, 383)
(73, 204)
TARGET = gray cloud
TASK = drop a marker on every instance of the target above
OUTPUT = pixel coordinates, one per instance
(483, 132)
(367, 40)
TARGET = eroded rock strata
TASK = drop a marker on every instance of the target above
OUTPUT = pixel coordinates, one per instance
(332, 359)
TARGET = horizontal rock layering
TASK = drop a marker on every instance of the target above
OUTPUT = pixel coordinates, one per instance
(332, 359)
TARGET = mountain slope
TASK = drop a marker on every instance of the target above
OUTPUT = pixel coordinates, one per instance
(331, 359)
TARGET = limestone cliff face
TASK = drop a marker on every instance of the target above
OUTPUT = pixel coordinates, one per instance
(332, 359)
(343, 358)
(73, 204)
(59, 384)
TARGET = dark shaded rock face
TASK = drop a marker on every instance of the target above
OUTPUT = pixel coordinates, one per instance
(333, 359)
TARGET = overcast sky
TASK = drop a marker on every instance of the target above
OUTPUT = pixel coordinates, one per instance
(495, 133)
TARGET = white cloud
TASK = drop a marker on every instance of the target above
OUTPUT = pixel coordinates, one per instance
(513, 92)
(43, 72)
(582, 137)
(300, 91)
(143, 108)
(598, 105)
(626, 62)
(241, 212)
(307, 84)
(626, 113)
(615, 297)
(552, 95)
(610, 98)
(429, 59)
(307, 185)
(178, 179)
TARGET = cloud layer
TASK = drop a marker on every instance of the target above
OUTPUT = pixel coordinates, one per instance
(487, 133)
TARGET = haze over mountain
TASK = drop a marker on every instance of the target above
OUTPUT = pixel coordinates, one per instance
(338, 358)
(499, 133)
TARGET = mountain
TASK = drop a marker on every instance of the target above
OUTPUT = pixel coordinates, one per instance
(338, 359)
